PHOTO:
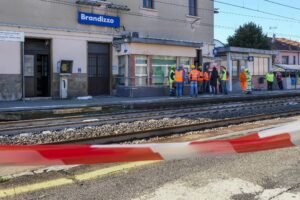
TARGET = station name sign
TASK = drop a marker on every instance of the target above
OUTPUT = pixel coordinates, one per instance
(98, 20)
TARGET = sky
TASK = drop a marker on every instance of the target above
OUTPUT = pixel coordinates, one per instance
(286, 25)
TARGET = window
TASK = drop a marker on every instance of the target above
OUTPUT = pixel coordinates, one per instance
(256, 66)
(141, 72)
(193, 7)
(234, 68)
(259, 67)
(185, 62)
(160, 69)
(148, 4)
(121, 76)
(285, 60)
(294, 60)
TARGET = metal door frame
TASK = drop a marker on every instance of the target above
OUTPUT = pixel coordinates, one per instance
(109, 60)
(35, 53)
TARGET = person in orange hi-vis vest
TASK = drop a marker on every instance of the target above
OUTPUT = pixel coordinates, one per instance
(206, 80)
(200, 80)
(194, 77)
(243, 80)
(179, 79)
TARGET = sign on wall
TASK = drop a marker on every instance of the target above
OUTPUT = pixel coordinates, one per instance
(29, 65)
(11, 36)
(98, 20)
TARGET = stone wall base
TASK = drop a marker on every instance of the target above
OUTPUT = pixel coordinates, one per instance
(10, 87)
(77, 85)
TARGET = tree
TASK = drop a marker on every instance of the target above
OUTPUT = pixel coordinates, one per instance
(249, 35)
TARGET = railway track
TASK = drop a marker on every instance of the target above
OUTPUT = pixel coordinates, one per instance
(53, 124)
(167, 131)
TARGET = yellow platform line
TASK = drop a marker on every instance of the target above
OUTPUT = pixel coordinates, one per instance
(67, 181)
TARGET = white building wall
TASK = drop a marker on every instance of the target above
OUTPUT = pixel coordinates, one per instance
(10, 57)
(70, 49)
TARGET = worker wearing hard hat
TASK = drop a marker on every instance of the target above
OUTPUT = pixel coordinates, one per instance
(194, 77)
(171, 80)
(206, 79)
(249, 81)
(200, 80)
(243, 80)
(179, 80)
(270, 79)
(223, 79)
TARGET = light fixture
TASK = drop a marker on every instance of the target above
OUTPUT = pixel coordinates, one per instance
(93, 2)
(118, 7)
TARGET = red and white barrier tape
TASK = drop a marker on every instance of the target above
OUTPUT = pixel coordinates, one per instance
(282, 137)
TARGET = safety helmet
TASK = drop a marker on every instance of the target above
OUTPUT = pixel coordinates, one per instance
(173, 67)
(192, 66)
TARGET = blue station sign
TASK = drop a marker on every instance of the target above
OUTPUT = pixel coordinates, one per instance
(98, 20)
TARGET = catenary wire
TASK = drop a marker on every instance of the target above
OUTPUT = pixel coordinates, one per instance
(281, 4)
(255, 10)
(171, 20)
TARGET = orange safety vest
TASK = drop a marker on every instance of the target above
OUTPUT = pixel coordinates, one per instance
(179, 76)
(206, 76)
(200, 76)
(194, 75)
(243, 77)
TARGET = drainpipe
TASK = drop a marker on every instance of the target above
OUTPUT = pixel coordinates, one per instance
(22, 71)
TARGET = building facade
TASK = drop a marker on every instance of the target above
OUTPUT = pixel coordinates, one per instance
(288, 51)
(81, 47)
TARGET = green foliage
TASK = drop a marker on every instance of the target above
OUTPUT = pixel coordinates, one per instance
(249, 35)
(2, 180)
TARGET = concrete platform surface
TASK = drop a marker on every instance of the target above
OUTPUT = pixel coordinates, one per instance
(111, 101)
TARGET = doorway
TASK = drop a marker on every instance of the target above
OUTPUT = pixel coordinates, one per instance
(98, 69)
(37, 68)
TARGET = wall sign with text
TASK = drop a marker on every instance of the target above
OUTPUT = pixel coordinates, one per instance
(98, 20)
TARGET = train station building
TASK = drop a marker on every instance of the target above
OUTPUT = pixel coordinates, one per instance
(65, 49)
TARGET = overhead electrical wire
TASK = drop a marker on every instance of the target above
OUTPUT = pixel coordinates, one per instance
(255, 10)
(176, 20)
(281, 4)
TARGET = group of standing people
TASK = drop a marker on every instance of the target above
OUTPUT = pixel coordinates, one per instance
(214, 81)
(200, 81)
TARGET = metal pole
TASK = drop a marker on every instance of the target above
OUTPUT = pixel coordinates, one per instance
(23, 71)
(229, 65)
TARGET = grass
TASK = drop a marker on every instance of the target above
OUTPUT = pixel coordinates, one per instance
(2, 179)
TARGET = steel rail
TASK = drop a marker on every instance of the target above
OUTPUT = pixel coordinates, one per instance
(130, 117)
(167, 131)
(87, 116)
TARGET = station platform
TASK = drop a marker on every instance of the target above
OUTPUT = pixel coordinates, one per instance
(15, 110)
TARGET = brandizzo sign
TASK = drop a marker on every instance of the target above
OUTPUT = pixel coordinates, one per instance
(98, 20)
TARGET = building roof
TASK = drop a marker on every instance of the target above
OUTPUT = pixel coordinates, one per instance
(245, 50)
(159, 41)
(218, 43)
(285, 44)
(288, 68)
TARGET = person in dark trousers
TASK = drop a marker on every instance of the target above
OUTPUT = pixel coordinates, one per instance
(279, 80)
(206, 81)
(223, 80)
(179, 80)
(214, 80)
(270, 80)
(172, 81)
